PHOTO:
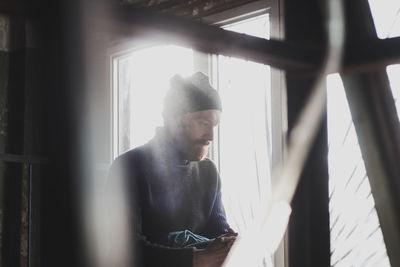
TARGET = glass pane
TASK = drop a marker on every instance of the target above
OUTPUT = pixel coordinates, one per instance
(244, 158)
(245, 131)
(244, 143)
(394, 79)
(356, 236)
(143, 80)
(386, 15)
(257, 26)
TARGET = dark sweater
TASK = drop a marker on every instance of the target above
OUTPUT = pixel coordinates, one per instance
(170, 195)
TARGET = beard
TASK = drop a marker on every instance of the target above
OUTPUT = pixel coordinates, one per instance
(198, 151)
(192, 150)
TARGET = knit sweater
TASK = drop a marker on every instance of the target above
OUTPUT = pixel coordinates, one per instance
(168, 194)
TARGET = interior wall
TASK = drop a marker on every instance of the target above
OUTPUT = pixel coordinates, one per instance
(21, 130)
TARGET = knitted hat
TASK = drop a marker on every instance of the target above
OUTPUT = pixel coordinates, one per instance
(190, 94)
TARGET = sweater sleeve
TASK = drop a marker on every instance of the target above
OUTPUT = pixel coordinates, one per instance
(122, 175)
(217, 223)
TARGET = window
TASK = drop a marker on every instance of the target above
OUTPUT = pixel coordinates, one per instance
(356, 236)
(393, 72)
(141, 81)
(242, 149)
(386, 15)
(245, 129)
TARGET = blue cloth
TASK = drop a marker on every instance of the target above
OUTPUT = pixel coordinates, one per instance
(180, 239)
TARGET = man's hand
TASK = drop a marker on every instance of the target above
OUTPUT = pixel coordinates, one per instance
(231, 231)
(215, 254)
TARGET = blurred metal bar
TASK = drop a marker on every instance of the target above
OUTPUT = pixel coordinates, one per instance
(378, 129)
(131, 22)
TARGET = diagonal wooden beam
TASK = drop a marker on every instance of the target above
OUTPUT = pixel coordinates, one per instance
(132, 22)
(371, 54)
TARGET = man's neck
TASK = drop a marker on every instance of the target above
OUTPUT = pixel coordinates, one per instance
(166, 136)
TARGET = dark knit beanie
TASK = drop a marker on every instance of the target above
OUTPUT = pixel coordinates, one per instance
(190, 94)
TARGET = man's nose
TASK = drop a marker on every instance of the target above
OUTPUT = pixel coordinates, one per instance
(210, 134)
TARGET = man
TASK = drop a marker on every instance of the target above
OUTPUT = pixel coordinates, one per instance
(175, 188)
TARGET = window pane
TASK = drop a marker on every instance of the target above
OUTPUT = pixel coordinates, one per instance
(243, 137)
(245, 131)
(244, 150)
(143, 79)
(394, 79)
(257, 26)
(356, 236)
(386, 14)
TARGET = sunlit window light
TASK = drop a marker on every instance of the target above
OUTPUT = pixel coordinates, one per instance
(245, 149)
(356, 237)
(386, 15)
(245, 130)
(394, 79)
(143, 80)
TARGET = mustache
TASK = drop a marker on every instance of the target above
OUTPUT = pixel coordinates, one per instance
(202, 142)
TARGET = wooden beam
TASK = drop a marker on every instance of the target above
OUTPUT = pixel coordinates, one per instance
(131, 22)
(308, 233)
(128, 22)
(360, 56)
(371, 55)
(185, 8)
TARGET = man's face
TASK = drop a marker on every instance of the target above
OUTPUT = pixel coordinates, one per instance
(194, 133)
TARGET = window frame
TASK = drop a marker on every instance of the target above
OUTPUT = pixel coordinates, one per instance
(204, 62)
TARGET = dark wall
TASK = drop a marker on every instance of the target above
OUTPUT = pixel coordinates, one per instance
(14, 59)
(64, 83)
(40, 82)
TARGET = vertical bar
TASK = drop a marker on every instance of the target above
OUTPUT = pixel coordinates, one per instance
(308, 233)
(29, 215)
(279, 116)
(12, 74)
